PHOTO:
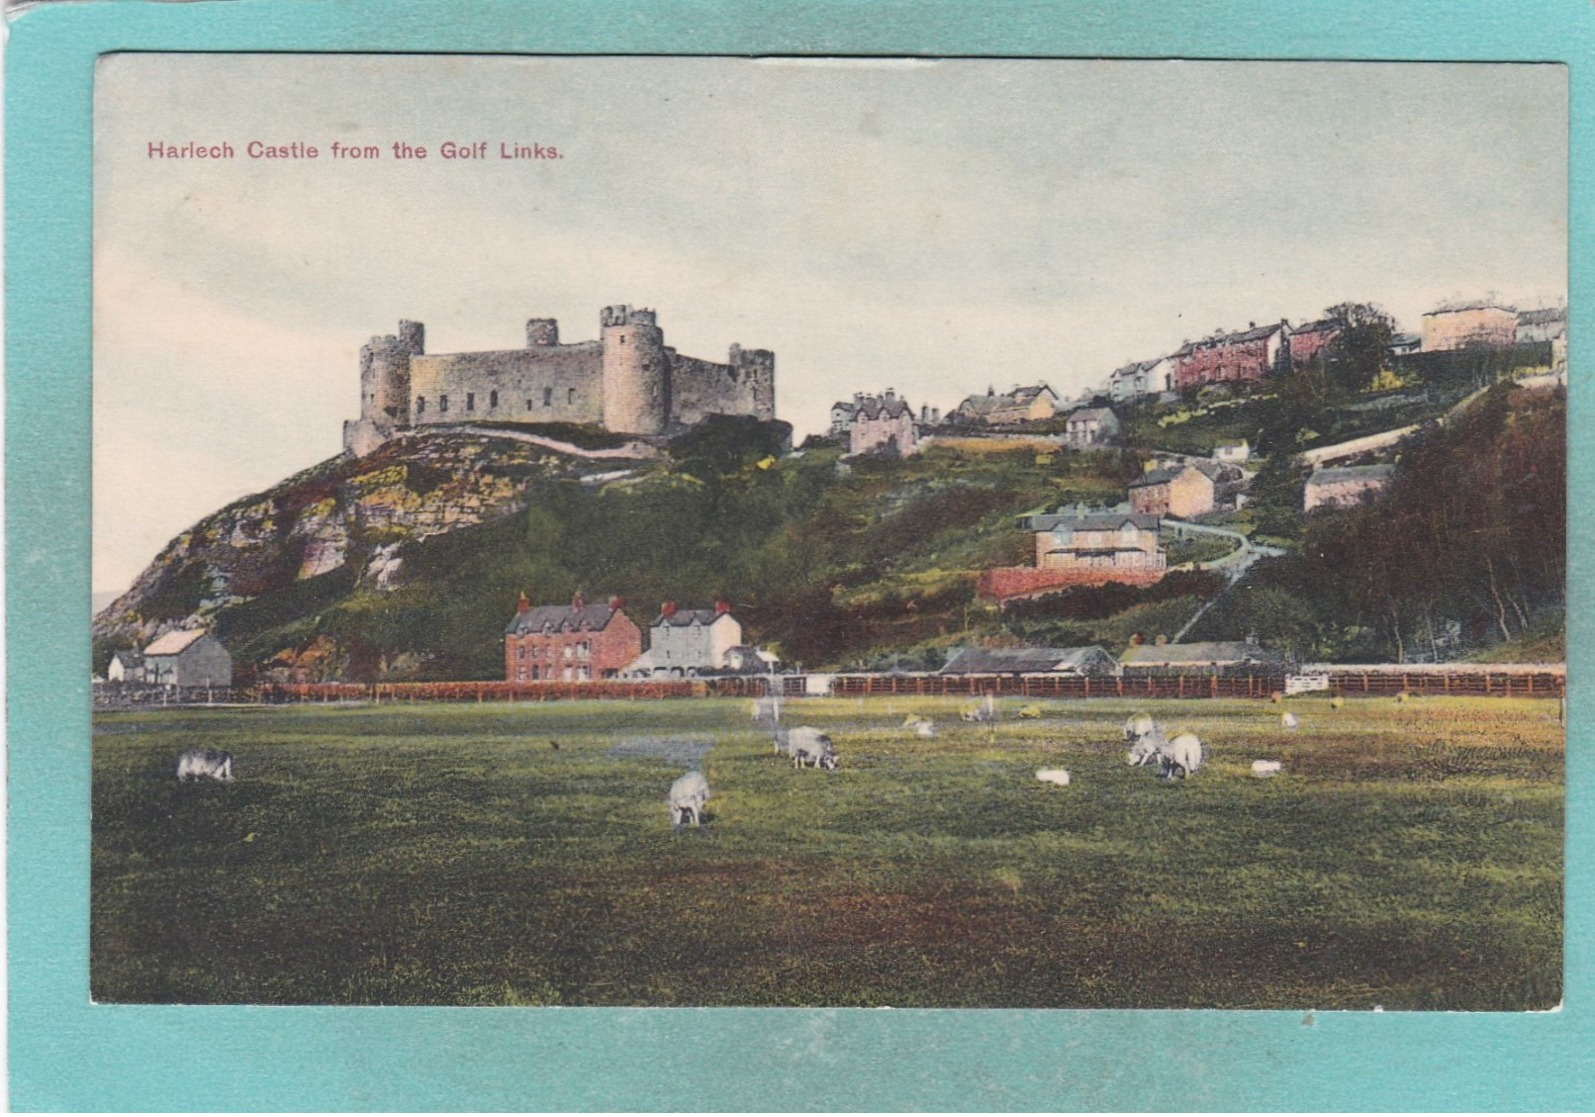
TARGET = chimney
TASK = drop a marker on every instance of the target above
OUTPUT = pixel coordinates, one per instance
(721, 607)
(523, 605)
(576, 601)
(667, 609)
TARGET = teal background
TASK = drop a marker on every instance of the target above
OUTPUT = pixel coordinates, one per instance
(66, 1054)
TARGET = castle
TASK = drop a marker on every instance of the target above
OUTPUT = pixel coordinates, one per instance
(628, 381)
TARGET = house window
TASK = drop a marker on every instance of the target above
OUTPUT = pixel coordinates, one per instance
(492, 399)
(548, 397)
(470, 401)
(443, 403)
(420, 405)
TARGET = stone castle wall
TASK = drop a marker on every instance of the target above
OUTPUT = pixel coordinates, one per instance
(628, 381)
(548, 384)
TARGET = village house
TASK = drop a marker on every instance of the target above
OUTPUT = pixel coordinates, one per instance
(1541, 325)
(1308, 341)
(1032, 404)
(1091, 661)
(1224, 358)
(882, 424)
(685, 642)
(1141, 378)
(1234, 657)
(126, 667)
(1099, 540)
(191, 658)
(569, 643)
(1091, 426)
(1483, 324)
(1344, 485)
(1182, 490)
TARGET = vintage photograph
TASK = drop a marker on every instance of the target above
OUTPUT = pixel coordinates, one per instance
(828, 532)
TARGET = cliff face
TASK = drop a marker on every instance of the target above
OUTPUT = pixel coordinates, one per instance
(344, 515)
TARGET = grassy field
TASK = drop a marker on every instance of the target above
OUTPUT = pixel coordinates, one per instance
(1409, 857)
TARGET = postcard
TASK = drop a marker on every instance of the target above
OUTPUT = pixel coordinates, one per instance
(783, 533)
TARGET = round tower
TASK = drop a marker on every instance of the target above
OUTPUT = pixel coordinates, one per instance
(636, 371)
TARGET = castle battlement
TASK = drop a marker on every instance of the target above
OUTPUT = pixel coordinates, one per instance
(628, 381)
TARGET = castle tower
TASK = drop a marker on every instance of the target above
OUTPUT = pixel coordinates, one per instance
(636, 371)
(384, 388)
(755, 369)
(542, 332)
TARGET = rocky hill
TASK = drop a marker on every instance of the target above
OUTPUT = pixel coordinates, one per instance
(345, 517)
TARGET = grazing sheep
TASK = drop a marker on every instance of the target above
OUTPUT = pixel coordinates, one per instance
(1053, 775)
(687, 796)
(1265, 769)
(205, 764)
(984, 713)
(1030, 711)
(1182, 755)
(809, 746)
(1289, 720)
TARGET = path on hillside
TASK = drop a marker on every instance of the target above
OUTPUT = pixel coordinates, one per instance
(1234, 565)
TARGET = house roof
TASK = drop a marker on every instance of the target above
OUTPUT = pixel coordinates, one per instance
(1100, 414)
(1471, 304)
(561, 618)
(1548, 316)
(682, 618)
(1091, 521)
(1336, 475)
(1026, 661)
(1214, 653)
(174, 642)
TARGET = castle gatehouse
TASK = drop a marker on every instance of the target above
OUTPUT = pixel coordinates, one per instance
(628, 381)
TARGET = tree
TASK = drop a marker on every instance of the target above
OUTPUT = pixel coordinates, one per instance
(1357, 354)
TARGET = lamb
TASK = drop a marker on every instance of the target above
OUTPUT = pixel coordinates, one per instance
(1265, 769)
(205, 764)
(687, 796)
(810, 746)
(1053, 775)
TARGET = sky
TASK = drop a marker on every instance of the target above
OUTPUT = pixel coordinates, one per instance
(933, 226)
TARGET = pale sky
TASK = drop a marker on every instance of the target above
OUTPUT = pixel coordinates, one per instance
(936, 227)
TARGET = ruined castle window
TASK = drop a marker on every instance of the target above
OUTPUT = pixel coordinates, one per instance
(548, 397)
(470, 401)
(492, 400)
(420, 405)
(443, 403)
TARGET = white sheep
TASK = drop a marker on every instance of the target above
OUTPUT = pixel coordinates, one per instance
(687, 796)
(1053, 775)
(810, 746)
(1265, 769)
(205, 764)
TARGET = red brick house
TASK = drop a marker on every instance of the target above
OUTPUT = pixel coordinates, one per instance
(569, 643)
(1224, 358)
(1306, 342)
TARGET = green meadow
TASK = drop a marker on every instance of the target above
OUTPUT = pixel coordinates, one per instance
(1409, 857)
